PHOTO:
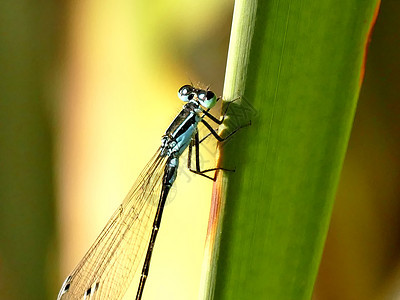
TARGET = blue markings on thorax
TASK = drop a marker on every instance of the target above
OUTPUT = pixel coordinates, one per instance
(184, 133)
(179, 134)
(177, 138)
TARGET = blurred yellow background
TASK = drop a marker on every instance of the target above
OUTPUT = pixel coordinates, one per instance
(88, 88)
(125, 61)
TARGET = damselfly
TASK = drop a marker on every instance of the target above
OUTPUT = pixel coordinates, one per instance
(128, 239)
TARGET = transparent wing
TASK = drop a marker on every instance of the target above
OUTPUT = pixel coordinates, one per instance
(107, 269)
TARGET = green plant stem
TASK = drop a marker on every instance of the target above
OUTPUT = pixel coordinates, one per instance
(297, 68)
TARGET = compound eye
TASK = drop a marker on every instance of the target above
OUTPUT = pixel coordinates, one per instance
(210, 95)
(202, 95)
(185, 92)
(207, 98)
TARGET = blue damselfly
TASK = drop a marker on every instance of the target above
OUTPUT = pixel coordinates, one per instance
(128, 239)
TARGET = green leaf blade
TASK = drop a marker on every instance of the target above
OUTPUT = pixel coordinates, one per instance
(301, 74)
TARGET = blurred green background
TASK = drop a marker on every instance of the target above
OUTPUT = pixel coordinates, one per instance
(87, 89)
